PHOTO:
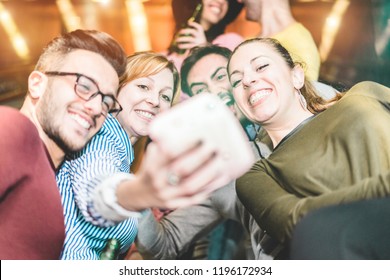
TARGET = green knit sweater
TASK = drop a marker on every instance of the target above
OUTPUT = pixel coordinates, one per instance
(341, 155)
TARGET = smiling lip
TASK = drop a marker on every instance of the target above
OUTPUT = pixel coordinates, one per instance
(146, 115)
(84, 120)
(215, 8)
(257, 97)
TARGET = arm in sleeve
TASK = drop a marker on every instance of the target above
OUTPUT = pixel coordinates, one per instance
(171, 236)
(89, 171)
(277, 211)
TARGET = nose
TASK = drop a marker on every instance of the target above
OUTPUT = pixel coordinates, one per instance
(215, 88)
(153, 99)
(95, 105)
(248, 79)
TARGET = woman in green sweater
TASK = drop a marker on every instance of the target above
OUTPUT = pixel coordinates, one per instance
(325, 152)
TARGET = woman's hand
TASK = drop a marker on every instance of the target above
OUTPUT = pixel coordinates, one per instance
(169, 181)
(177, 181)
(198, 146)
(190, 37)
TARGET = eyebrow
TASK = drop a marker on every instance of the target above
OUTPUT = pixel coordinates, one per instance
(212, 77)
(251, 61)
(114, 93)
(154, 84)
(196, 84)
(147, 78)
(216, 71)
(167, 88)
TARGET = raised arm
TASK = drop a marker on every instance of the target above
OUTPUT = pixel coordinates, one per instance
(84, 174)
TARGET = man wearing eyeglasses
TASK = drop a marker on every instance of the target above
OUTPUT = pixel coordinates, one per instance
(71, 90)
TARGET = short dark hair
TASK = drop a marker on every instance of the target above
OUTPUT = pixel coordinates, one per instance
(195, 55)
(90, 40)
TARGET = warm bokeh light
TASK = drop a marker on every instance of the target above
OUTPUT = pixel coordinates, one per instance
(331, 27)
(138, 25)
(104, 2)
(68, 14)
(17, 40)
(333, 22)
(353, 36)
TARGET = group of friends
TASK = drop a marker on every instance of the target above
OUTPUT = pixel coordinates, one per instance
(323, 156)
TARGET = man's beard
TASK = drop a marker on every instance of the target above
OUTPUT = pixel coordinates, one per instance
(46, 113)
(62, 143)
(53, 132)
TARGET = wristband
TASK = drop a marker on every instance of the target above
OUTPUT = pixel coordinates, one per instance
(106, 202)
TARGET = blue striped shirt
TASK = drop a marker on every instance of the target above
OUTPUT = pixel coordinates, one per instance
(109, 152)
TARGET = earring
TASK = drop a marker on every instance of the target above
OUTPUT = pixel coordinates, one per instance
(302, 99)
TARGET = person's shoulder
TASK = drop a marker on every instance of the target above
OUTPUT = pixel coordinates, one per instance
(11, 113)
(368, 85)
(231, 35)
(112, 128)
(8, 110)
(176, 58)
(293, 28)
(228, 40)
(14, 122)
(17, 133)
(110, 137)
(371, 89)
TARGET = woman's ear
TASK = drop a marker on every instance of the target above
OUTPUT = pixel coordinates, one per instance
(298, 75)
(37, 83)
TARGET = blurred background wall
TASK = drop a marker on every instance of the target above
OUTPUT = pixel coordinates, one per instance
(354, 46)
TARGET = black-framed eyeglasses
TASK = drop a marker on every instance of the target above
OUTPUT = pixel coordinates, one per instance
(86, 88)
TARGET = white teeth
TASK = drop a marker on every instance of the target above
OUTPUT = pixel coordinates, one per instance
(258, 95)
(215, 10)
(146, 114)
(80, 121)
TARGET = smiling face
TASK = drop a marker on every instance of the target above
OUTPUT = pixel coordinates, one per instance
(142, 99)
(66, 118)
(264, 84)
(213, 11)
(209, 75)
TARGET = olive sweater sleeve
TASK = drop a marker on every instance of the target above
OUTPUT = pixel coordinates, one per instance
(277, 211)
